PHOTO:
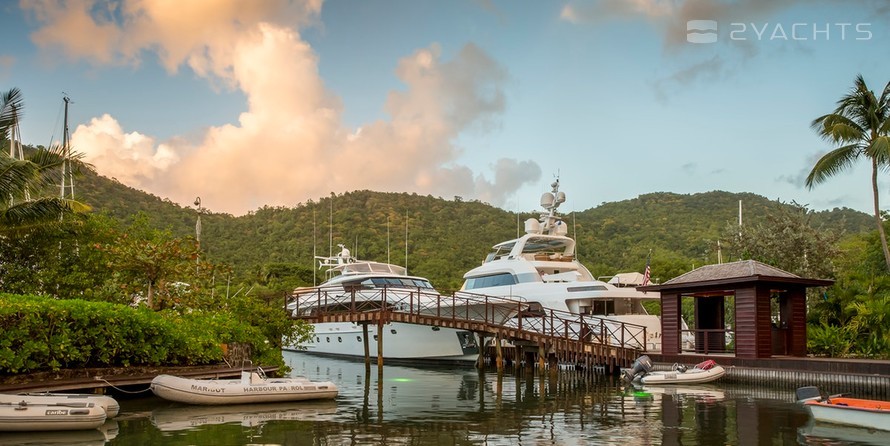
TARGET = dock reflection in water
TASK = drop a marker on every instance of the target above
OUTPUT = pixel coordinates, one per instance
(427, 405)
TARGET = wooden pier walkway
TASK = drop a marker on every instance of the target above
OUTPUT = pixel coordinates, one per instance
(554, 336)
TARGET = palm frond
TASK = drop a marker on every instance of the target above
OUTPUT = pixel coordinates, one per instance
(836, 128)
(15, 176)
(880, 150)
(41, 212)
(10, 109)
(833, 163)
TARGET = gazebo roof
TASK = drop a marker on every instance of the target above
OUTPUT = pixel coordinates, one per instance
(734, 272)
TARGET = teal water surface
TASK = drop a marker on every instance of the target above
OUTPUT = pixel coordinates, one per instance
(426, 405)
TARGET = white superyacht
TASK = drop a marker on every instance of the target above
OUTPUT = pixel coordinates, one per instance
(541, 269)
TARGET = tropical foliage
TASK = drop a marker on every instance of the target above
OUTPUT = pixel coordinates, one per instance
(24, 183)
(860, 125)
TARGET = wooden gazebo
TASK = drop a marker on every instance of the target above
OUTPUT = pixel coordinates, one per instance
(770, 310)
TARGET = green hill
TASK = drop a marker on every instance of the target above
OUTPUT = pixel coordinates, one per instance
(445, 238)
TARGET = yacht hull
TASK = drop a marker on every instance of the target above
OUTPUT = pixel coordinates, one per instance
(401, 341)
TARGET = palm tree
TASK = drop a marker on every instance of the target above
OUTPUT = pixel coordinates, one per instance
(861, 126)
(42, 168)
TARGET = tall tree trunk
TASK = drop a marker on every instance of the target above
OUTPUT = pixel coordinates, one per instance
(874, 189)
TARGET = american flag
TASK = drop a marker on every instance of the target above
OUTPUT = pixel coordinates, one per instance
(648, 271)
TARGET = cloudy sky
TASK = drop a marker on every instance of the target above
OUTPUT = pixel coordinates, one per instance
(275, 102)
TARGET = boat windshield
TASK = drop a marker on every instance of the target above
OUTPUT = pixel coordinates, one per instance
(395, 282)
(545, 244)
(371, 267)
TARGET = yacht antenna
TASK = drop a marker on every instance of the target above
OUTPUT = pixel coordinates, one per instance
(314, 249)
(518, 227)
(387, 239)
(331, 229)
(551, 201)
(406, 242)
(575, 237)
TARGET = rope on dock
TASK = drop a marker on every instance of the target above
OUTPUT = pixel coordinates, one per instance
(122, 390)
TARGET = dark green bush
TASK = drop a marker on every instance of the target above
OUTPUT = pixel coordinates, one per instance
(40, 333)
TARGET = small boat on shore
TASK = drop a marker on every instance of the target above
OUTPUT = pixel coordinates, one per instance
(253, 387)
(703, 372)
(109, 404)
(843, 410)
(26, 417)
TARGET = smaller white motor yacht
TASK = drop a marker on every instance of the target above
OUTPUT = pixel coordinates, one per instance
(354, 285)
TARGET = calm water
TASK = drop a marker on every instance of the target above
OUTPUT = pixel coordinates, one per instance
(460, 406)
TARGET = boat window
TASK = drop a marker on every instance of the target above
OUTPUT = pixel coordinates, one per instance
(375, 338)
(408, 283)
(436, 328)
(586, 288)
(339, 339)
(528, 278)
(358, 338)
(328, 339)
(603, 307)
(393, 331)
(378, 282)
(390, 281)
(494, 280)
(422, 283)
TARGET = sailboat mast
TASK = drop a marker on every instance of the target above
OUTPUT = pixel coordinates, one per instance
(67, 175)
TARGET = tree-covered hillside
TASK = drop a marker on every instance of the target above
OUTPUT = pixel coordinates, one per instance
(445, 238)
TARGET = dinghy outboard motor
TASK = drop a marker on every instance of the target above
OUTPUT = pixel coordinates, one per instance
(808, 393)
(641, 366)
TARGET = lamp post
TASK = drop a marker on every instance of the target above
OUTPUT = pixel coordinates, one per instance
(198, 233)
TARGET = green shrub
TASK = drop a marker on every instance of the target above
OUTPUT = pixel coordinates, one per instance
(40, 333)
(829, 340)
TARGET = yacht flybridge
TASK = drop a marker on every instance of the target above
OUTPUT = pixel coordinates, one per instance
(541, 268)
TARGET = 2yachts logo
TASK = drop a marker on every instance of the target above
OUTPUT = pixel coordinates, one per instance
(701, 31)
(705, 31)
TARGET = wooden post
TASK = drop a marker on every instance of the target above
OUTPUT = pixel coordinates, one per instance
(499, 353)
(367, 346)
(480, 361)
(380, 345)
(517, 362)
(542, 353)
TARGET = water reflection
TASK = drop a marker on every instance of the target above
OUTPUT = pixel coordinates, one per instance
(94, 437)
(825, 434)
(461, 406)
(183, 417)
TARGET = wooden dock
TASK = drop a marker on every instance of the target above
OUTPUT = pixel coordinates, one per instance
(550, 336)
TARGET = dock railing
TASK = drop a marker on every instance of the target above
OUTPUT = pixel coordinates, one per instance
(492, 313)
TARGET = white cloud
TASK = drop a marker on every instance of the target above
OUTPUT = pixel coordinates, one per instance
(133, 158)
(290, 144)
